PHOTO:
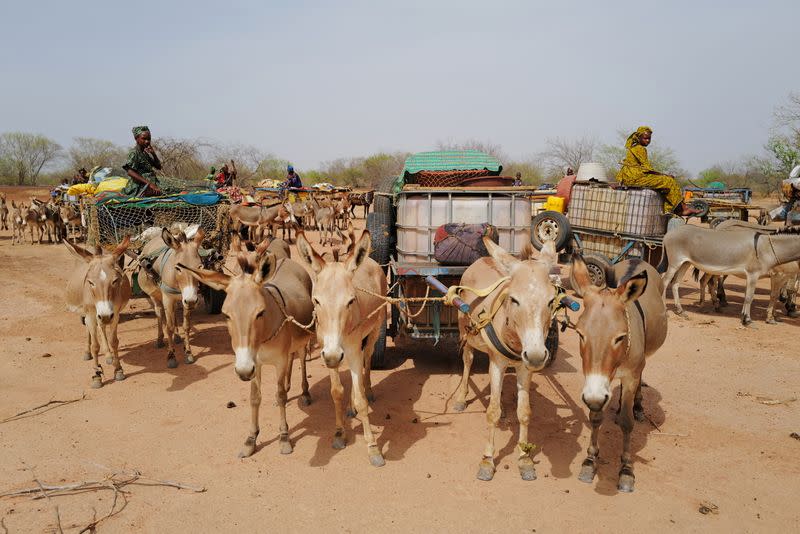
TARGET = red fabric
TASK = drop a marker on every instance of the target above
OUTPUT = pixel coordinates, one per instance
(564, 188)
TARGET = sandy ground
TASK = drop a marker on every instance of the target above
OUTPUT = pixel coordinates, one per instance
(722, 440)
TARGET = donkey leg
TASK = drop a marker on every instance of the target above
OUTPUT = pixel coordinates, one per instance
(638, 409)
(676, 290)
(88, 354)
(169, 317)
(282, 369)
(91, 327)
(287, 377)
(119, 374)
(369, 349)
(362, 406)
(187, 327)
(776, 283)
(255, 403)
(749, 293)
(305, 397)
(337, 393)
(525, 463)
(158, 307)
(486, 467)
(467, 355)
(626, 478)
(589, 466)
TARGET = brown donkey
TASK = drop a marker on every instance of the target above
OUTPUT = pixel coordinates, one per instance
(99, 291)
(3, 212)
(165, 286)
(519, 313)
(17, 223)
(348, 325)
(259, 302)
(618, 329)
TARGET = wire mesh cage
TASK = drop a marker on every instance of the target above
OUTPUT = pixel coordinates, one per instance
(617, 248)
(618, 210)
(109, 223)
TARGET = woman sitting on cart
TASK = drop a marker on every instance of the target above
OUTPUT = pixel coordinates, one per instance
(141, 166)
(638, 172)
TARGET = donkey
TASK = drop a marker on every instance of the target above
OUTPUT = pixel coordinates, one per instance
(361, 199)
(619, 328)
(3, 212)
(72, 221)
(254, 217)
(17, 223)
(260, 299)
(34, 220)
(99, 291)
(739, 252)
(325, 220)
(517, 317)
(348, 325)
(165, 286)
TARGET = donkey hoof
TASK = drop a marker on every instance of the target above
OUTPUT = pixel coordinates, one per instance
(772, 321)
(638, 414)
(119, 375)
(247, 451)
(625, 484)
(177, 339)
(172, 363)
(305, 400)
(587, 473)
(87, 356)
(370, 397)
(189, 359)
(351, 413)
(459, 406)
(527, 470)
(377, 460)
(160, 344)
(286, 447)
(486, 470)
(97, 383)
(339, 441)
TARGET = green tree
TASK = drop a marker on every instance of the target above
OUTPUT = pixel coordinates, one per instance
(26, 154)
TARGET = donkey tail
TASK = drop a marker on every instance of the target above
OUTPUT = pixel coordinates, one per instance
(664, 263)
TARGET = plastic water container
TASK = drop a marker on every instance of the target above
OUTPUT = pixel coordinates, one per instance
(554, 203)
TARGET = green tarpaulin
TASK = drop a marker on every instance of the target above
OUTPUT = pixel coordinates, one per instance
(451, 160)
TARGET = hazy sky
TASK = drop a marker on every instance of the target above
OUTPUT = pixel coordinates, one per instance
(314, 81)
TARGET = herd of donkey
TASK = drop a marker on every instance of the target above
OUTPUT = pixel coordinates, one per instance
(278, 307)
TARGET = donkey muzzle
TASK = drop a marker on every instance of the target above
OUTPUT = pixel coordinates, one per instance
(596, 392)
(332, 358)
(245, 363)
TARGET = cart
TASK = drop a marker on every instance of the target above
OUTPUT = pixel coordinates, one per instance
(403, 223)
(723, 204)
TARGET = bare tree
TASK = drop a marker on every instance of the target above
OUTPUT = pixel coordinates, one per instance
(87, 152)
(788, 114)
(27, 154)
(181, 158)
(560, 153)
(473, 144)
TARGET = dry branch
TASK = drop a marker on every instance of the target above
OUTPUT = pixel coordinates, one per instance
(38, 410)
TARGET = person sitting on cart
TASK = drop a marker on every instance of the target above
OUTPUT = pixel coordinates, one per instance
(81, 177)
(292, 179)
(226, 176)
(637, 171)
(141, 165)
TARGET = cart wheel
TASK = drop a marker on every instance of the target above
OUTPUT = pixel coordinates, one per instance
(213, 299)
(382, 203)
(550, 226)
(700, 205)
(598, 267)
(551, 343)
(379, 358)
(380, 230)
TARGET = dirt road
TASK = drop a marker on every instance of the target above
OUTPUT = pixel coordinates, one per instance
(722, 397)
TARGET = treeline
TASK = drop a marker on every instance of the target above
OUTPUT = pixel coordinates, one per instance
(34, 159)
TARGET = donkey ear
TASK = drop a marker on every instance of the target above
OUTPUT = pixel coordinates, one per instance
(170, 241)
(199, 236)
(236, 242)
(633, 288)
(80, 253)
(308, 254)
(527, 252)
(360, 252)
(212, 279)
(265, 268)
(505, 260)
(548, 253)
(122, 247)
(263, 246)
(581, 281)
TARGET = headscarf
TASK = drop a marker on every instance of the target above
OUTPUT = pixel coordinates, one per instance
(213, 170)
(633, 139)
(289, 169)
(139, 130)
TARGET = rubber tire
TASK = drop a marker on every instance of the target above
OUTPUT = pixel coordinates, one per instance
(598, 266)
(701, 205)
(381, 203)
(379, 226)
(214, 298)
(551, 343)
(562, 227)
(379, 356)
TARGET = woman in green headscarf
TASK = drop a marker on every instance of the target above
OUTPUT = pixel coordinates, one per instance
(638, 172)
(141, 165)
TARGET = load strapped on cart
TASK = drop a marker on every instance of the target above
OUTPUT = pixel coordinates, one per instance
(111, 217)
(429, 221)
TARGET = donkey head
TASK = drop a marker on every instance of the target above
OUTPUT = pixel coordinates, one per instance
(603, 329)
(185, 252)
(252, 315)
(334, 296)
(104, 279)
(530, 297)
